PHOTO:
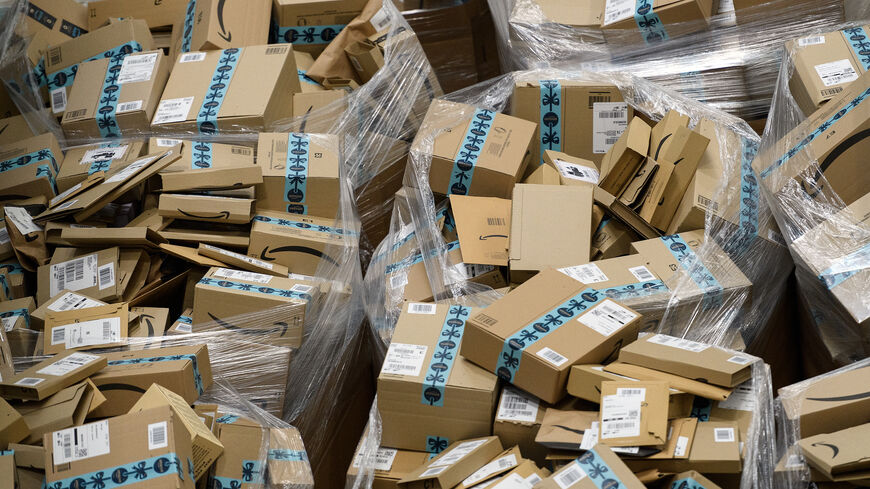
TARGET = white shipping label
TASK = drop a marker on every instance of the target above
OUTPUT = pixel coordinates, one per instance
(616, 10)
(533, 479)
(810, 41)
(68, 364)
(167, 143)
(512, 481)
(77, 274)
(607, 317)
(129, 106)
(742, 398)
(609, 121)
(137, 68)
(4, 235)
(130, 170)
(29, 381)
(674, 342)
(301, 288)
(404, 359)
(81, 442)
(639, 392)
(103, 154)
(239, 256)
(577, 172)
(517, 406)
(620, 416)
(243, 275)
(9, 323)
(726, 6)
(740, 359)
(184, 328)
(172, 110)
(66, 205)
(487, 470)
(421, 308)
(457, 453)
(475, 269)
(58, 100)
(590, 437)
(191, 57)
(90, 333)
(64, 194)
(587, 274)
(642, 273)
(400, 279)
(551, 356)
(72, 301)
(433, 471)
(383, 459)
(836, 72)
(569, 475)
(682, 446)
(381, 20)
(157, 436)
(107, 276)
(22, 219)
(723, 435)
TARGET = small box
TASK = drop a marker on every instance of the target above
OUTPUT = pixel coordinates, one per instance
(157, 14)
(29, 167)
(391, 466)
(81, 162)
(655, 21)
(208, 25)
(312, 24)
(453, 465)
(69, 407)
(94, 275)
(625, 157)
(633, 413)
(62, 20)
(210, 166)
(84, 329)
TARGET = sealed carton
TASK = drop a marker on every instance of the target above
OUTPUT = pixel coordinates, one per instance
(306, 102)
(157, 14)
(94, 275)
(51, 375)
(81, 162)
(500, 465)
(428, 393)
(206, 208)
(13, 428)
(299, 243)
(67, 408)
(715, 449)
(837, 453)
(208, 25)
(585, 383)
(587, 14)
(566, 429)
(63, 301)
(211, 166)
(633, 413)
(310, 25)
(14, 128)
(88, 328)
(657, 20)
(592, 470)
(544, 175)
(454, 464)
(29, 167)
(152, 322)
(483, 226)
(533, 335)
(287, 459)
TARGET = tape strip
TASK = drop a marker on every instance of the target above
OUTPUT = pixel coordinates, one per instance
(304, 225)
(469, 150)
(227, 419)
(309, 34)
(511, 353)
(846, 267)
(101, 165)
(70, 29)
(41, 16)
(695, 268)
(17, 312)
(65, 77)
(202, 156)
(701, 409)
(184, 319)
(304, 78)
(40, 79)
(283, 454)
(251, 474)
(45, 171)
(107, 123)
(29, 159)
(651, 27)
(206, 119)
(551, 116)
(197, 378)
(749, 201)
(228, 284)
(7, 292)
(187, 34)
(126, 474)
(435, 380)
(436, 444)
(418, 257)
(296, 172)
(11, 268)
(860, 42)
(687, 483)
(601, 474)
(635, 290)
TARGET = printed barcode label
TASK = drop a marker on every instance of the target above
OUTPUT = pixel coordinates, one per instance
(836, 72)
(22, 220)
(301, 288)
(811, 41)
(29, 381)
(487, 320)
(433, 471)
(54, 56)
(191, 57)
(474, 269)
(457, 453)
(611, 141)
(131, 169)
(107, 276)
(569, 475)
(4, 235)
(607, 317)
(593, 99)
(384, 458)
(609, 120)
(551, 356)
(740, 360)
(240, 150)
(631, 392)
(104, 154)
(77, 274)
(742, 398)
(620, 416)
(73, 114)
(420, 308)
(494, 148)
(723, 435)
(58, 335)
(831, 91)
(404, 359)
(157, 436)
(517, 406)
(577, 172)
(615, 114)
(137, 68)
(400, 279)
(491, 468)
(58, 100)
(616, 10)
(129, 106)
(168, 143)
(9, 323)
(68, 364)
(708, 204)
(496, 221)
(173, 110)
(71, 301)
(184, 328)
(94, 332)
(243, 275)
(587, 274)
(682, 446)
(642, 273)
(663, 339)
(80, 442)
(276, 50)
(381, 20)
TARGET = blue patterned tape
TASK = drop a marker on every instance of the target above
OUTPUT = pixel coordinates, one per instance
(511, 353)
(418, 257)
(101, 165)
(284, 454)
(4, 453)
(601, 474)
(227, 419)
(309, 34)
(28, 159)
(304, 78)
(469, 150)
(65, 76)
(701, 409)
(6, 290)
(695, 268)
(449, 223)
(749, 201)
(860, 44)
(202, 155)
(551, 116)
(125, 475)
(11, 268)
(45, 171)
(107, 123)
(17, 312)
(850, 264)
(251, 474)
(185, 319)
(187, 33)
(228, 284)
(296, 172)
(636, 290)
(436, 444)
(398, 244)
(206, 118)
(197, 378)
(39, 77)
(687, 483)
(449, 339)
(304, 225)
(651, 27)
(830, 122)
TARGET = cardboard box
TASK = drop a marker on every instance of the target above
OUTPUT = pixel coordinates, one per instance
(150, 323)
(242, 262)
(697, 388)
(13, 428)
(692, 479)
(15, 286)
(63, 301)
(206, 208)
(565, 429)
(625, 157)
(304, 61)
(611, 239)
(391, 465)
(836, 403)
(15, 322)
(154, 437)
(288, 460)
(157, 14)
(304, 180)
(587, 14)
(494, 469)
(534, 246)
(656, 21)
(571, 170)
(51, 375)
(311, 24)
(126, 237)
(476, 152)
(614, 208)
(81, 162)
(588, 117)
(585, 382)
(544, 175)
(517, 421)
(208, 25)
(115, 96)
(85, 329)
(82, 274)
(14, 128)
(61, 20)
(67, 408)
(715, 450)
(184, 370)
(29, 167)
(302, 244)
(836, 453)
(583, 472)
(483, 227)
(258, 91)
(633, 413)
(530, 337)
(366, 58)
(426, 396)
(307, 102)
(453, 465)
(211, 166)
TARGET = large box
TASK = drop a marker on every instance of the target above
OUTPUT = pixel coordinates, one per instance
(311, 24)
(208, 25)
(656, 20)
(28, 167)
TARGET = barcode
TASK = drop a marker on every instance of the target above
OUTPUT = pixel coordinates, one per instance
(156, 435)
(494, 149)
(241, 151)
(642, 273)
(593, 99)
(71, 272)
(630, 392)
(184, 328)
(67, 446)
(129, 106)
(611, 141)
(58, 335)
(832, 91)
(58, 100)
(276, 50)
(625, 425)
(569, 476)
(552, 357)
(106, 278)
(74, 113)
(739, 360)
(54, 56)
(483, 318)
(615, 114)
(725, 435)
(191, 57)
(135, 60)
(29, 381)
(107, 330)
(496, 221)
(707, 203)
(418, 308)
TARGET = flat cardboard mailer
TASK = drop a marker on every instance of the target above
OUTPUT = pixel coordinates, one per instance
(13, 428)
(88, 328)
(211, 166)
(715, 449)
(391, 465)
(494, 469)
(67, 408)
(633, 413)
(29, 456)
(62, 301)
(128, 237)
(534, 334)
(418, 407)
(829, 404)
(193, 235)
(191, 255)
(474, 151)
(206, 208)
(81, 162)
(259, 90)
(94, 275)
(625, 157)
(565, 429)
(213, 24)
(51, 375)
(29, 166)
(524, 474)
(586, 472)
(154, 437)
(837, 453)
(241, 261)
(152, 322)
(483, 227)
(453, 465)
(185, 370)
(310, 26)
(687, 385)
(585, 383)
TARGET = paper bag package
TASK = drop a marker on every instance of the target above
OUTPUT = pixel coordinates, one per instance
(29, 167)
(311, 25)
(427, 391)
(208, 25)
(81, 162)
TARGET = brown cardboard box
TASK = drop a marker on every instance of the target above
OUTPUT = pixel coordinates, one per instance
(390, 466)
(258, 92)
(206, 447)
(242, 262)
(483, 226)
(60, 19)
(612, 239)
(115, 96)
(834, 404)
(715, 450)
(184, 370)
(304, 180)
(517, 421)
(543, 235)
(288, 460)
(488, 170)
(311, 24)
(218, 24)
(572, 170)
(80, 274)
(689, 386)
(14, 128)
(582, 473)
(366, 58)
(16, 284)
(565, 430)
(152, 322)
(158, 14)
(210, 166)
(13, 429)
(29, 456)
(303, 63)
(29, 167)
(63, 301)
(51, 375)
(127, 237)
(669, 18)
(500, 465)
(194, 235)
(529, 336)
(689, 359)
(307, 102)
(85, 329)
(585, 383)
(544, 175)
(418, 409)
(206, 208)
(590, 117)
(15, 318)
(633, 413)
(123, 442)
(7, 466)
(837, 453)
(692, 479)
(625, 157)
(80, 162)
(453, 465)
(586, 14)
(67, 408)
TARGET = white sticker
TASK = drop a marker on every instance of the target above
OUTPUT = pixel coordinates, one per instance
(137, 68)
(590, 437)
(107, 276)
(517, 406)
(157, 436)
(129, 106)
(194, 57)
(742, 398)
(67, 204)
(726, 6)
(639, 392)
(68, 364)
(577, 172)
(64, 194)
(433, 471)
(609, 121)
(90, 333)
(383, 459)
(740, 359)
(9, 323)
(22, 219)
(381, 20)
(551, 356)
(71, 301)
(616, 10)
(4, 235)
(569, 475)
(810, 41)
(239, 256)
(620, 416)
(511, 481)
(421, 308)
(587, 274)
(172, 110)
(400, 279)
(29, 381)
(404, 359)
(168, 143)
(58, 100)
(723, 435)
(487, 470)
(476, 269)
(184, 328)
(80, 442)
(301, 288)
(77, 274)
(607, 317)
(682, 446)
(642, 273)
(243, 275)
(836, 72)
(663, 339)
(130, 170)
(457, 453)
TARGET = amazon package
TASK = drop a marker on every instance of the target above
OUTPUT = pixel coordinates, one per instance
(210, 166)
(29, 167)
(208, 25)
(311, 25)
(81, 162)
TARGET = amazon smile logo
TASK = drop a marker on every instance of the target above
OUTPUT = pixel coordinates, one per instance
(224, 33)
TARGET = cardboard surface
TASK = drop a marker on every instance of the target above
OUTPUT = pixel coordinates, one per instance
(483, 225)
(453, 465)
(51, 375)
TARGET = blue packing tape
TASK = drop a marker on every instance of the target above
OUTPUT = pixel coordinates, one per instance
(65, 76)
(309, 34)
(107, 123)
(197, 378)
(417, 258)
(687, 483)
(4, 453)
(469, 150)
(651, 27)
(29, 159)
(45, 171)
(17, 312)
(509, 359)
(228, 284)
(436, 444)
(859, 41)
(304, 78)
(601, 474)
(443, 357)
(201, 157)
(284, 454)
(749, 201)
(11, 268)
(697, 271)
(206, 118)
(187, 33)
(701, 409)
(447, 214)
(6, 290)
(251, 474)
(551, 116)
(636, 290)
(296, 172)
(304, 225)
(125, 475)
(185, 319)
(227, 419)
(852, 263)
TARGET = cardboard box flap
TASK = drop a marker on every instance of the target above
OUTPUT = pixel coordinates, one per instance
(565, 430)
(483, 225)
(207, 208)
(456, 462)
(51, 375)
(86, 328)
(126, 236)
(633, 413)
(624, 214)
(499, 465)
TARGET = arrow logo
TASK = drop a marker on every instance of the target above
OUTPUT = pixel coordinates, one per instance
(221, 215)
(851, 397)
(148, 322)
(225, 35)
(832, 447)
(264, 255)
(121, 387)
(281, 329)
(4, 128)
(484, 238)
